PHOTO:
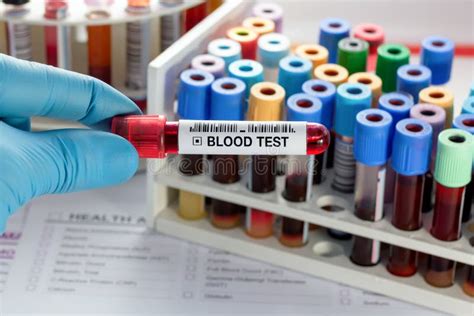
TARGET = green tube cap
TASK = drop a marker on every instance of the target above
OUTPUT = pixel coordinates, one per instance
(454, 158)
(389, 58)
(352, 54)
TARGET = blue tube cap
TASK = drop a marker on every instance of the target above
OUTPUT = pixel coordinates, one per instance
(331, 31)
(468, 106)
(437, 53)
(412, 79)
(371, 137)
(272, 48)
(293, 72)
(194, 94)
(227, 99)
(465, 122)
(326, 92)
(247, 70)
(398, 104)
(412, 147)
(304, 107)
(351, 98)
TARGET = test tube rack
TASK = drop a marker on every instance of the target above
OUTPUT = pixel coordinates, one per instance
(322, 256)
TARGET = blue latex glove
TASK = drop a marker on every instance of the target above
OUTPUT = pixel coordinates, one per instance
(33, 164)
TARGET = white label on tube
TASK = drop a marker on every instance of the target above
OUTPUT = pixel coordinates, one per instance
(242, 138)
(379, 198)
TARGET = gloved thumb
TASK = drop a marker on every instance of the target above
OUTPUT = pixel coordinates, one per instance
(59, 161)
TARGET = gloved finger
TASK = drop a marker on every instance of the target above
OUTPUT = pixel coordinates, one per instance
(32, 89)
(18, 122)
(60, 161)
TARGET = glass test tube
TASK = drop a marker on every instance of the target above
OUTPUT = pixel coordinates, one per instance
(193, 103)
(265, 104)
(194, 15)
(326, 92)
(171, 25)
(18, 34)
(468, 285)
(436, 117)
(371, 141)
(227, 103)
(410, 167)
(99, 40)
(350, 100)
(138, 52)
(58, 52)
(298, 182)
(452, 174)
(271, 49)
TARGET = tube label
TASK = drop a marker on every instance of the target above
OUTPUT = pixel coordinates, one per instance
(242, 138)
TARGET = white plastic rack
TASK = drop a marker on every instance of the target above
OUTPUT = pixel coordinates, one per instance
(322, 256)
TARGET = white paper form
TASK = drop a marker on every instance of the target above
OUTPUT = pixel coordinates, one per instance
(8, 243)
(91, 254)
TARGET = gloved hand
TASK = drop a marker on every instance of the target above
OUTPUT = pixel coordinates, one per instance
(59, 161)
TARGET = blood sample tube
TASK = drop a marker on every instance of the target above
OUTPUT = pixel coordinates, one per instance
(293, 72)
(372, 34)
(56, 38)
(316, 54)
(331, 31)
(271, 49)
(261, 26)
(154, 137)
(99, 40)
(351, 98)
(468, 286)
(468, 106)
(398, 104)
(333, 73)
(138, 52)
(326, 93)
(436, 117)
(227, 103)
(193, 103)
(170, 25)
(299, 179)
(371, 142)
(18, 34)
(213, 5)
(265, 104)
(210, 63)
(372, 81)
(437, 53)
(466, 122)
(226, 49)
(452, 174)
(410, 167)
(352, 54)
(194, 15)
(270, 11)
(412, 79)
(389, 58)
(247, 40)
(249, 71)
(441, 97)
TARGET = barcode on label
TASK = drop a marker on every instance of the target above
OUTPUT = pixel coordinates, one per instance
(209, 127)
(137, 54)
